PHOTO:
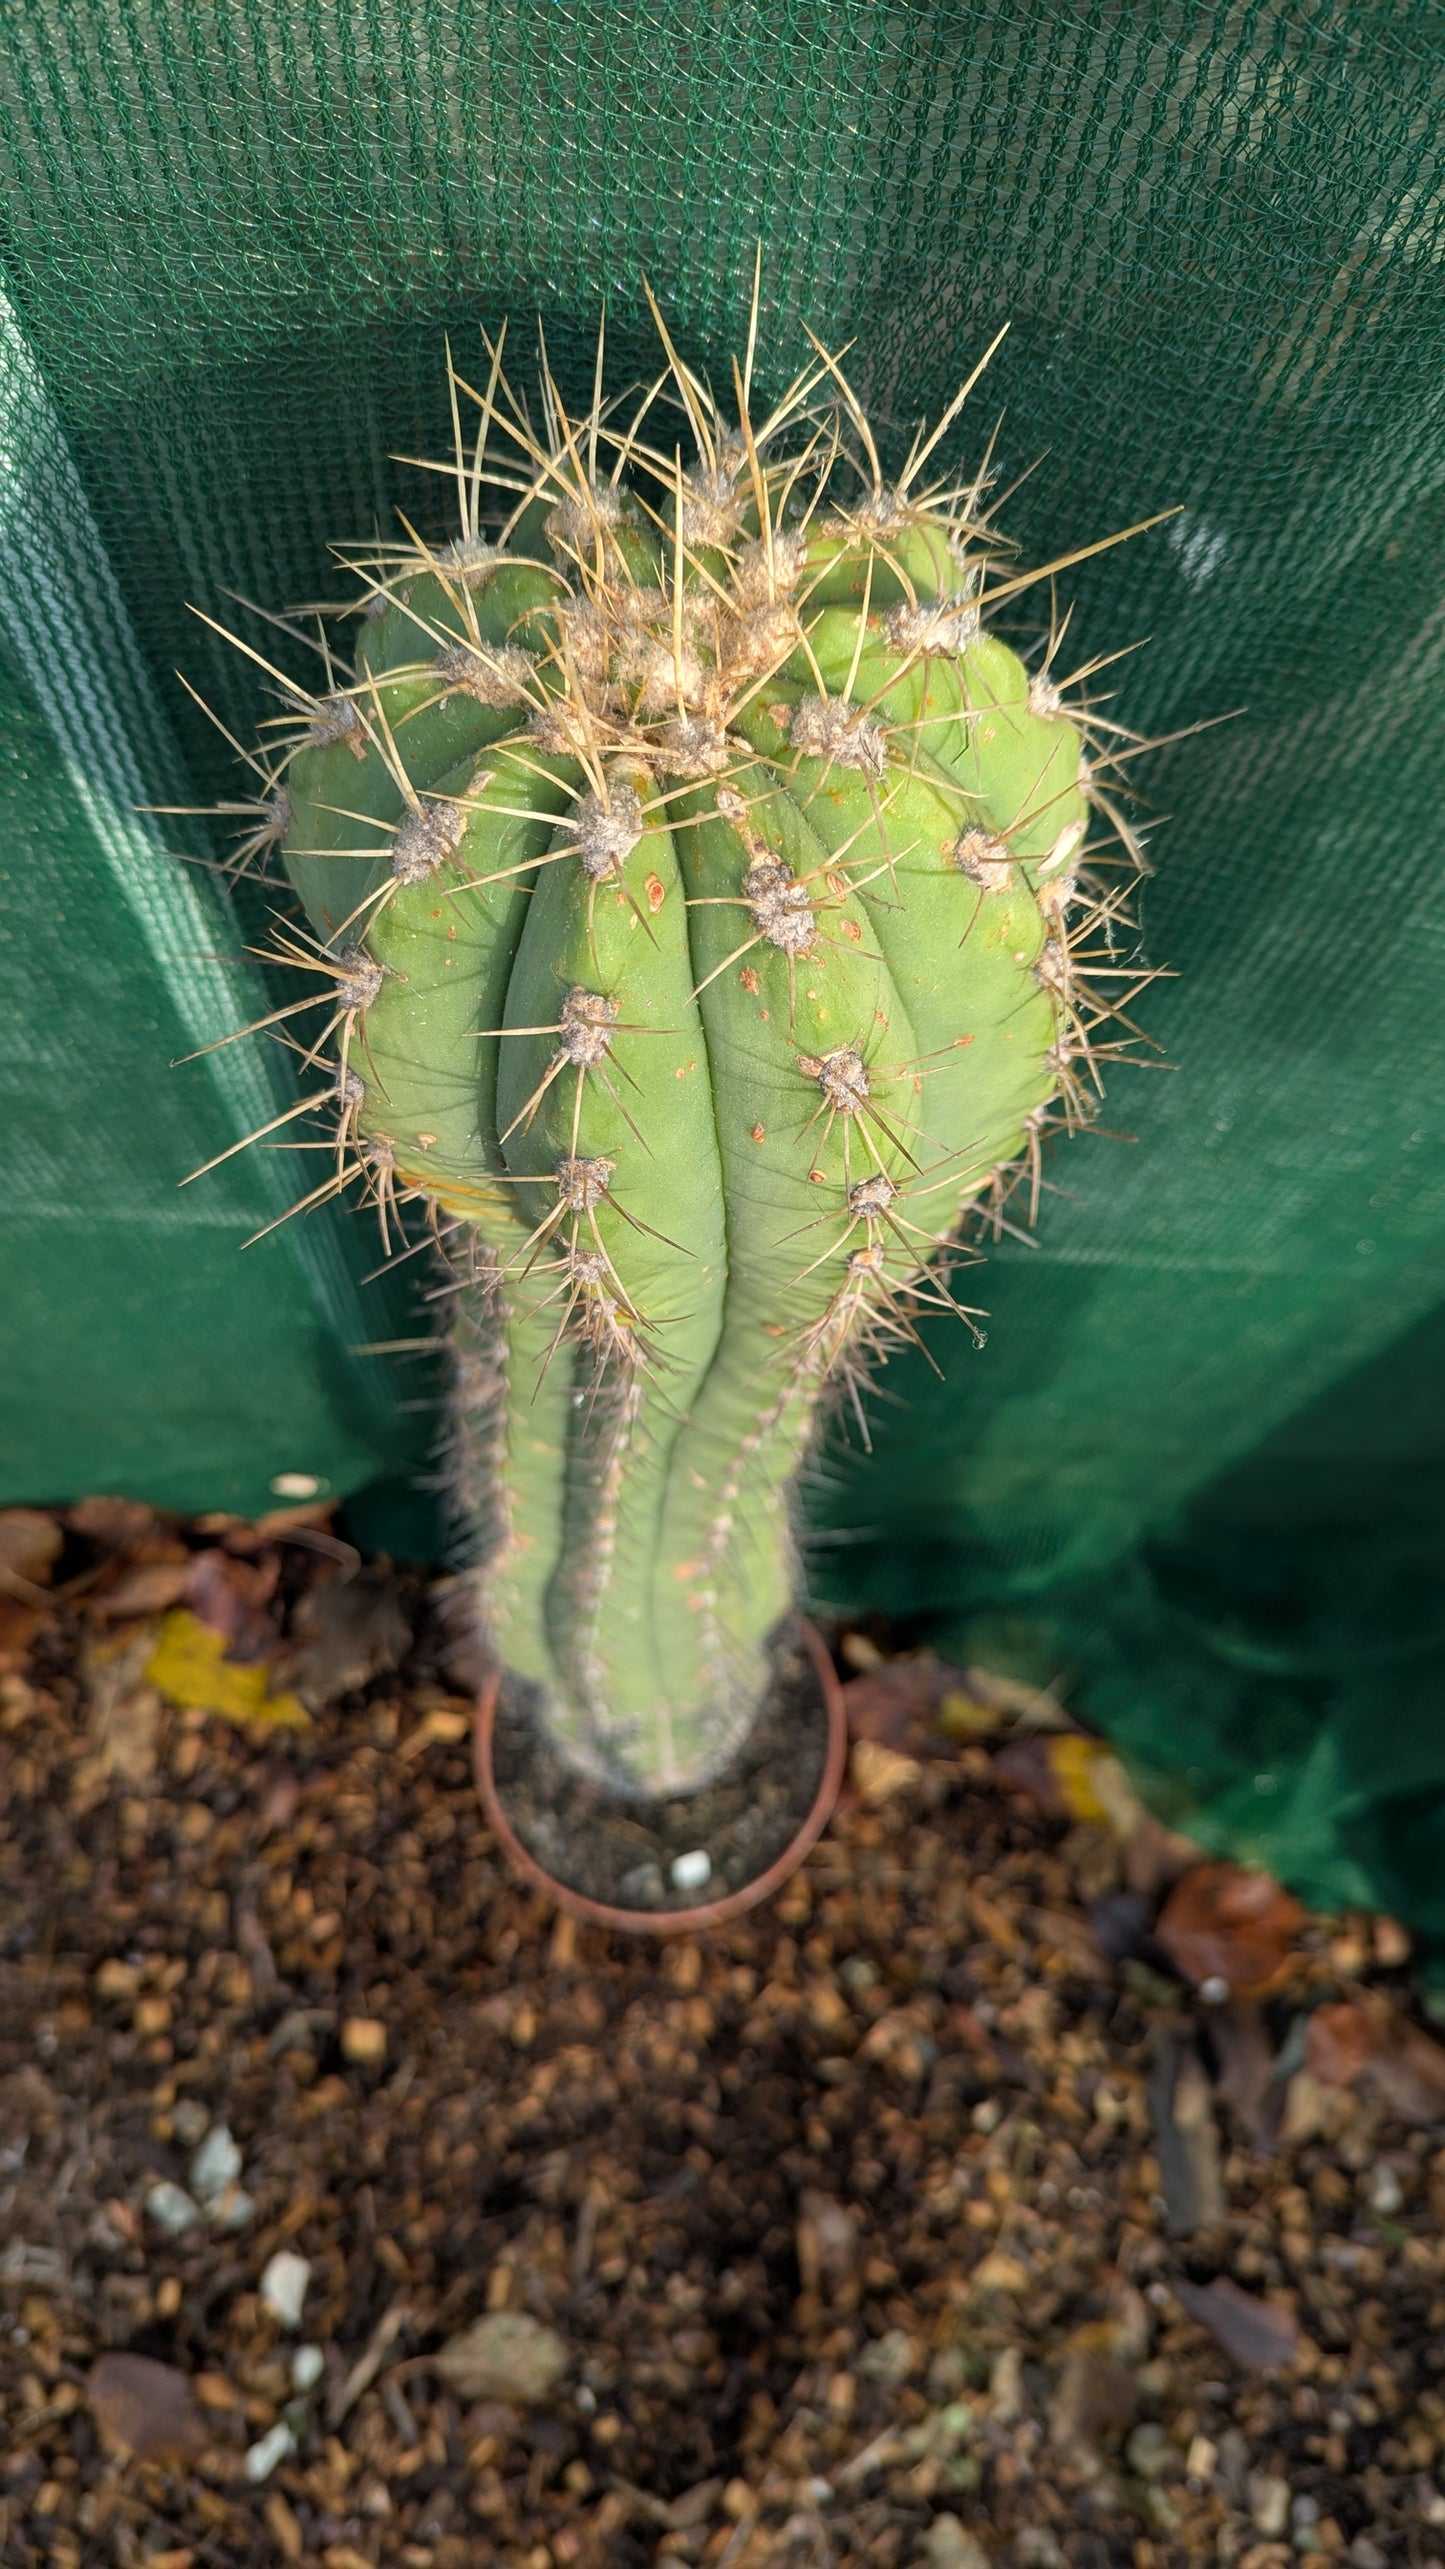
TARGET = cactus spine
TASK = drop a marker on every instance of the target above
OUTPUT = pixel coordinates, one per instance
(695, 884)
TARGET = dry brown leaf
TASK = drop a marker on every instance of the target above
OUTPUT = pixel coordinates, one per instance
(145, 2407)
(30, 1542)
(896, 1704)
(1027, 1766)
(1255, 2334)
(1339, 2043)
(117, 1525)
(348, 1631)
(242, 1535)
(30, 1545)
(19, 1626)
(231, 1598)
(1370, 2042)
(1229, 1931)
(145, 1588)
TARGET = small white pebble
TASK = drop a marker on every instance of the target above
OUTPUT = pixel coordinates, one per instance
(1214, 1990)
(171, 2208)
(307, 2366)
(273, 2447)
(283, 2286)
(691, 1871)
(1386, 2194)
(216, 2165)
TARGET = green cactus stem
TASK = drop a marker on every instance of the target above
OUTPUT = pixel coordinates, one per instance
(701, 896)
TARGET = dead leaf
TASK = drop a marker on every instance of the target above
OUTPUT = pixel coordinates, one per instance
(144, 2407)
(896, 1704)
(1025, 1764)
(505, 2355)
(190, 1664)
(1092, 1782)
(30, 1545)
(1338, 2043)
(232, 1598)
(1230, 1932)
(30, 1542)
(1258, 2335)
(1368, 2041)
(349, 1631)
(243, 1535)
(19, 1626)
(117, 1525)
(144, 1588)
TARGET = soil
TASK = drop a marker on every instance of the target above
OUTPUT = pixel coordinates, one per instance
(924, 2218)
(623, 1851)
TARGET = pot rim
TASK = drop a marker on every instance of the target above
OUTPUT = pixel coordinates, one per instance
(710, 1913)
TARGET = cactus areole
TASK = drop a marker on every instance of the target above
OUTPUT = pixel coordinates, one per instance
(696, 885)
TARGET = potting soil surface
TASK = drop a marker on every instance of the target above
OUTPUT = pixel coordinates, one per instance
(694, 1847)
(1017, 2189)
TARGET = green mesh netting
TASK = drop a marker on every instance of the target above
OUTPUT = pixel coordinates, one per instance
(1198, 1467)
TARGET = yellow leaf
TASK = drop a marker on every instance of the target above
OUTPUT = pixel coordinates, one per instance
(189, 1664)
(1074, 1762)
(964, 1717)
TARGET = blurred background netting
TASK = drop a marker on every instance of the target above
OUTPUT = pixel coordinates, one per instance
(1197, 1472)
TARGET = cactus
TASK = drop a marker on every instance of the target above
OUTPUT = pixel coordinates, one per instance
(695, 885)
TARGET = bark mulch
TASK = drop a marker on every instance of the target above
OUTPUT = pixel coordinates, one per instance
(959, 2209)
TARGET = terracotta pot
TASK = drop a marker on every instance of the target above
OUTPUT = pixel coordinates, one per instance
(711, 1913)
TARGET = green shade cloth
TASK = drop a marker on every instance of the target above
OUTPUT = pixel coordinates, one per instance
(1198, 1468)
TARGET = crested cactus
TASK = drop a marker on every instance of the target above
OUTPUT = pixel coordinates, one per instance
(695, 884)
